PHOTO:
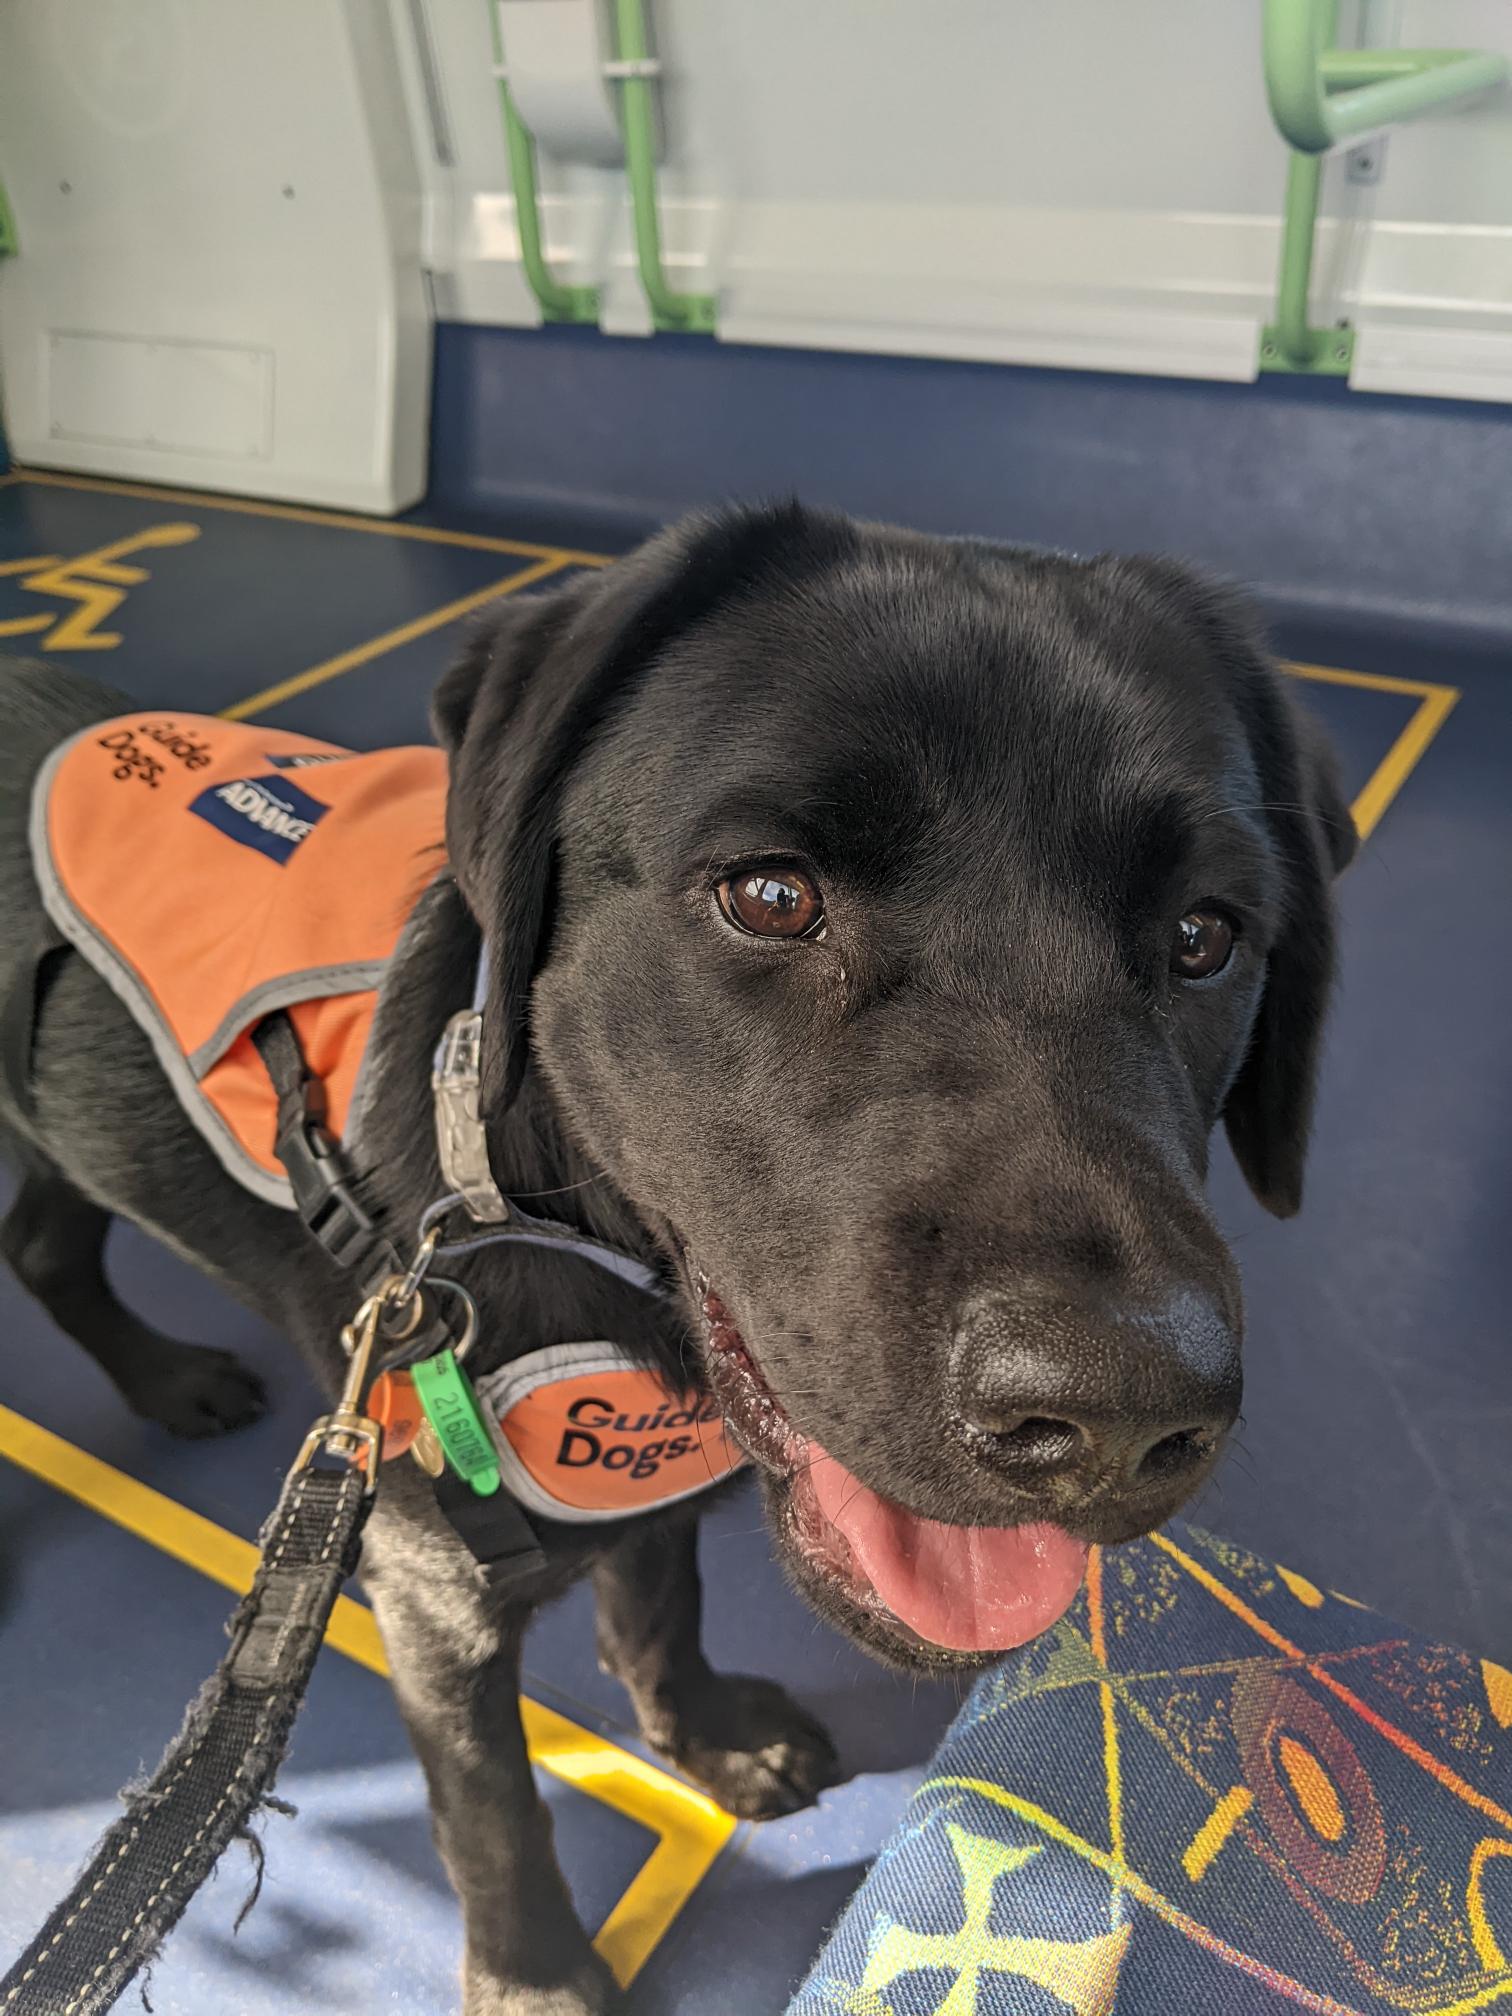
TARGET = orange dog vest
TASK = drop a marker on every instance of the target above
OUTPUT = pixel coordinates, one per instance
(213, 872)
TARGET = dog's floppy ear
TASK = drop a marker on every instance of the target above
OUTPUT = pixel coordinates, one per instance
(452, 702)
(1268, 1111)
(537, 681)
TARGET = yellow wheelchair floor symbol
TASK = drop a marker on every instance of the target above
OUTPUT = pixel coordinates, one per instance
(96, 583)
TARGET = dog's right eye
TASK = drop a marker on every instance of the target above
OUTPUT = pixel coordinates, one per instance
(772, 903)
(1203, 944)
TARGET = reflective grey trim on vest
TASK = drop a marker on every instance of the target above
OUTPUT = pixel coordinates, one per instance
(311, 983)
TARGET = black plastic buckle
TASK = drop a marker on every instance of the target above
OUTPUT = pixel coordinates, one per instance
(322, 1196)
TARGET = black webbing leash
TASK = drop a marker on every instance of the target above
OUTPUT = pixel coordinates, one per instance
(220, 1768)
(217, 1771)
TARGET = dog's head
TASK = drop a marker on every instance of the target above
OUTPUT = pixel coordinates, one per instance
(891, 920)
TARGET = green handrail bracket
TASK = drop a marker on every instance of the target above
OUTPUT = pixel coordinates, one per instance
(558, 301)
(634, 70)
(1322, 98)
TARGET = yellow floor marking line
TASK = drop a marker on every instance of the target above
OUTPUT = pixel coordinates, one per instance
(96, 583)
(1215, 1830)
(303, 514)
(1435, 704)
(406, 633)
(1402, 759)
(1374, 682)
(688, 1827)
(1436, 701)
(1391, 773)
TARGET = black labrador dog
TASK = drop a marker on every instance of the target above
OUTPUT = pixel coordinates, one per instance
(880, 925)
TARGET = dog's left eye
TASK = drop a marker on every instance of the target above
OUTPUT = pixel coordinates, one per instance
(1203, 945)
(772, 903)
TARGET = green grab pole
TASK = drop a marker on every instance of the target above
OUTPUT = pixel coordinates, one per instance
(1298, 344)
(1342, 68)
(1320, 98)
(1290, 343)
(8, 242)
(1294, 34)
(1354, 113)
(558, 302)
(670, 310)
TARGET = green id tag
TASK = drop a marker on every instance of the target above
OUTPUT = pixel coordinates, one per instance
(450, 1406)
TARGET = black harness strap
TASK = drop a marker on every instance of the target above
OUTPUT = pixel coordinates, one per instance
(505, 1547)
(311, 1155)
(320, 1177)
(217, 1771)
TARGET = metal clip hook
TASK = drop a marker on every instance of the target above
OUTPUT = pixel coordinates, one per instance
(347, 1431)
(469, 1335)
(404, 1293)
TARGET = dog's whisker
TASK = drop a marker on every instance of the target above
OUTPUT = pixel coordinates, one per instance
(1273, 805)
(565, 1189)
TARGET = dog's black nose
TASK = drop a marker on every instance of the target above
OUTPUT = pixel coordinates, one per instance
(1090, 1402)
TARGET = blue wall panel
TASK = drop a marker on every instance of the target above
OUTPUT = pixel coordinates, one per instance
(1338, 506)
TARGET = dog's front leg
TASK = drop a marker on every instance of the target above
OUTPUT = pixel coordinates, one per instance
(745, 1739)
(455, 1661)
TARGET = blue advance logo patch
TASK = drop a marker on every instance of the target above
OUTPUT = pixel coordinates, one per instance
(271, 814)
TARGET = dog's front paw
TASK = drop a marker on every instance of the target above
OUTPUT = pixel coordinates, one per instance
(192, 1390)
(591, 1991)
(751, 1746)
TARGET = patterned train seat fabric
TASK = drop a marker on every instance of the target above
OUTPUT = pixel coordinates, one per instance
(1212, 1790)
(213, 872)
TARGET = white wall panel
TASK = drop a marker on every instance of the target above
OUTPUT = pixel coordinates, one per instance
(219, 215)
(235, 220)
(1084, 183)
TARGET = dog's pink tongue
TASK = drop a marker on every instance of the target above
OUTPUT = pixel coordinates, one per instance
(973, 1588)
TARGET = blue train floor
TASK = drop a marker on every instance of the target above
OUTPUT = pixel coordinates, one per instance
(1378, 1408)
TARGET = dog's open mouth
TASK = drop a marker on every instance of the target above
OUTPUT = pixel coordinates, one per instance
(968, 1589)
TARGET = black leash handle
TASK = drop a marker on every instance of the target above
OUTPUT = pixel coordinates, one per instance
(220, 1767)
(216, 1772)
